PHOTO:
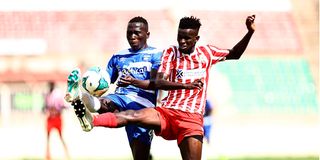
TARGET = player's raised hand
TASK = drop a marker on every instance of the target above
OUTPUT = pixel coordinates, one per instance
(250, 23)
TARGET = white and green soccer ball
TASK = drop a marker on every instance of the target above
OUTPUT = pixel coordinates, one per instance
(96, 81)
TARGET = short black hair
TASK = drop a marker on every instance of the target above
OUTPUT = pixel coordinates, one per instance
(139, 19)
(189, 23)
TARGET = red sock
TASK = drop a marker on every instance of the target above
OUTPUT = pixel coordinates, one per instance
(105, 120)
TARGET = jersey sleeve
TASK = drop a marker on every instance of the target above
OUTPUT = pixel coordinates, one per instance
(112, 69)
(156, 60)
(166, 61)
(217, 54)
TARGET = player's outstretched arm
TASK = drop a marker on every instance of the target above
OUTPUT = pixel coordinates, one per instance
(240, 47)
(159, 83)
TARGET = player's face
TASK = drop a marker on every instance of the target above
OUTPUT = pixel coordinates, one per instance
(187, 39)
(137, 35)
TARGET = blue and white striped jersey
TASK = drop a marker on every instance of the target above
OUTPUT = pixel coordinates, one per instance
(138, 65)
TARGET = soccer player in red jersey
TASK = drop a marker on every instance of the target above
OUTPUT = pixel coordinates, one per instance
(184, 71)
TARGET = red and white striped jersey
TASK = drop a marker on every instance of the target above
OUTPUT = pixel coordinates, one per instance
(185, 68)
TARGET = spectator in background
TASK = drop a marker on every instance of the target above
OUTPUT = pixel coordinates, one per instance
(207, 120)
(54, 104)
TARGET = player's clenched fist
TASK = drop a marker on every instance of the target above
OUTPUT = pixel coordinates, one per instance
(250, 23)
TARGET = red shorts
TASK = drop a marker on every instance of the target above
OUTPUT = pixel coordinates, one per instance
(54, 122)
(176, 124)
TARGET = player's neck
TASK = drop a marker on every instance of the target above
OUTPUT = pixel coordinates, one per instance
(188, 52)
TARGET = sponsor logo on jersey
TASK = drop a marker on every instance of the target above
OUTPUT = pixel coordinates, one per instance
(138, 70)
(191, 74)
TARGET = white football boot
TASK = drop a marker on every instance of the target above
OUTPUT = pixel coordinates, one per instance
(74, 96)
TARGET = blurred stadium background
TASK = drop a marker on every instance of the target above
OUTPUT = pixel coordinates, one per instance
(266, 105)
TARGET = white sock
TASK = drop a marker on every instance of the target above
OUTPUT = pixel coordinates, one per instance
(91, 102)
(97, 104)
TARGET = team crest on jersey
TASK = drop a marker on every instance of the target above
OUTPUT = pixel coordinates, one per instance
(146, 57)
(122, 59)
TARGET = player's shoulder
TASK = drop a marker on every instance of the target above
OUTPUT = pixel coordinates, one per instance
(122, 52)
(211, 48)
(151, 50)
(202, 45)
(148, 50)
(171, 48)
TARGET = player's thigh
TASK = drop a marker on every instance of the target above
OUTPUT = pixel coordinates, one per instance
(107, 105)
(191, 148)
(116, 102)
(148, 117)
(110, 103)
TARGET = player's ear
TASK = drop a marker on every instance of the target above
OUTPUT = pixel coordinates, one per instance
(197, 38)
(148, 34)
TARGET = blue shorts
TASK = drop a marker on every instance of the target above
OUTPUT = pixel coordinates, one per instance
(133, 131)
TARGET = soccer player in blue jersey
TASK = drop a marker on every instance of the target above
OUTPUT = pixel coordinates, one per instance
(140, 61)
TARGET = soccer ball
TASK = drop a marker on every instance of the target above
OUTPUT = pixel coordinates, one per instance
(96, 81)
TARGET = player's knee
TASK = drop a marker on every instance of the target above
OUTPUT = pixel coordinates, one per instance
(107, 106)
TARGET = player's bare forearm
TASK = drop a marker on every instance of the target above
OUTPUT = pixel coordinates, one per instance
(159, 83)
(237, 51)
(169, 85)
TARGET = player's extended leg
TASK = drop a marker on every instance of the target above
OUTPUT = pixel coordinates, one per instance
(191, 148)
(147, 117)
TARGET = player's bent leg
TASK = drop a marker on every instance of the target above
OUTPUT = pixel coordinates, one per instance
(107, 105)
(191, 148)
(100, 105)
(84, 116)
